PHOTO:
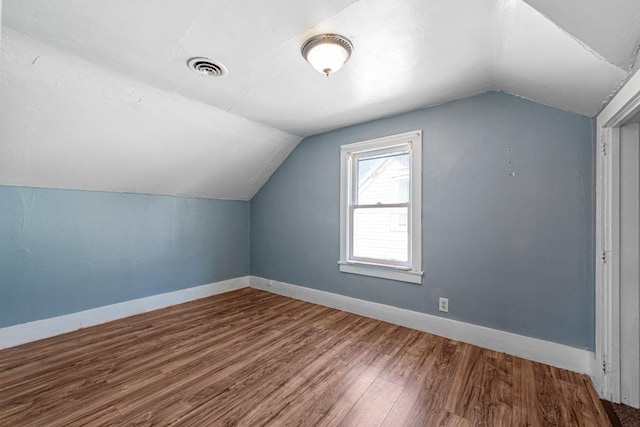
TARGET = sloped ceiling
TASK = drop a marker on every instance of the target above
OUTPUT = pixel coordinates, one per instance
(97, 95)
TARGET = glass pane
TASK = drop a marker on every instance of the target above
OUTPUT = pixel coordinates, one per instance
(383, 179)
(381, 234)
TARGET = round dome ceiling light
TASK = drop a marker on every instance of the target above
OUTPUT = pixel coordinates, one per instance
(327, 53)
(207, 67)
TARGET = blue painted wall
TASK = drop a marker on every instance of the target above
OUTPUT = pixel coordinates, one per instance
(65, 251)
(513, 253)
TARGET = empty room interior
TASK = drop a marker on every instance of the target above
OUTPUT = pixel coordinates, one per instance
(345, 212)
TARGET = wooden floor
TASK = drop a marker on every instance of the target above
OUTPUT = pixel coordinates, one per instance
(253, 358)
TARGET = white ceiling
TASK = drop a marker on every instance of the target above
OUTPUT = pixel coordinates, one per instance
(408, 54)
(609, 28)
(66, 123)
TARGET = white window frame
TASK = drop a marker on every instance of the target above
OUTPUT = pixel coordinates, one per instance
(406, 272)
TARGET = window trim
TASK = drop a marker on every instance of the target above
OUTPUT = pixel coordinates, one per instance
(413, 272)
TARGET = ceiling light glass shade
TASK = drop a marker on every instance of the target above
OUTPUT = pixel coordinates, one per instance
(327, 53)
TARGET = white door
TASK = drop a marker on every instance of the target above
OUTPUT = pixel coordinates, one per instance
(630, 264)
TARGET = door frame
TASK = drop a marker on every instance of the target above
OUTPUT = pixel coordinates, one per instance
(623, 106)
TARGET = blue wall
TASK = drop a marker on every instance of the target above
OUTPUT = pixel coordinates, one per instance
(510, 252)
(65, 251)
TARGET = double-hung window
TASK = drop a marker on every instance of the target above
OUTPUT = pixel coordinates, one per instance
(380, 207)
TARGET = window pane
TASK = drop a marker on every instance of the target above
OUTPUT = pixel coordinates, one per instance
(383, 179)
(381, 234)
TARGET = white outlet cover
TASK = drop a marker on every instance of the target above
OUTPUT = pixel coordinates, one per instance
(444, 305)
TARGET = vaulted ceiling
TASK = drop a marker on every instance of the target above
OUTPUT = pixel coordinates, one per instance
(97, 94)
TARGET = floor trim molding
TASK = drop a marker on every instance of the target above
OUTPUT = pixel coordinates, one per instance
(562, 356)
(550, 353)
(11, 336)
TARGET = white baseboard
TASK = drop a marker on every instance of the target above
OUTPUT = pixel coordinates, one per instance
(554, 354)
(562, 356)
(32, 331)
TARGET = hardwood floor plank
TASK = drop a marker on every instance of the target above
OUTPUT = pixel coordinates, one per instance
(374, 405)
(348, 398)
(409, 354)
(253, 358)
(432, 389)
(496, 396)
(302, 371)
(414, 394)
(591, 409)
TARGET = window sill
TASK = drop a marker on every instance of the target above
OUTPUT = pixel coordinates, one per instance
(381, 272)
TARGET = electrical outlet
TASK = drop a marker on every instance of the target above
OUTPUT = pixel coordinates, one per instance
(444, 305)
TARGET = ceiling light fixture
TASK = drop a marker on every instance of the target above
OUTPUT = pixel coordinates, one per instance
(327, 53)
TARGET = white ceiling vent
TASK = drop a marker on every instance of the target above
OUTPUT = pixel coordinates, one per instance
(207, 67)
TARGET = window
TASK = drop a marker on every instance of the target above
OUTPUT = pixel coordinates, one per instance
(380, 207)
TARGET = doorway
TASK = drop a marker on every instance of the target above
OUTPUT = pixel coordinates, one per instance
(617, 370)
(630, 264)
